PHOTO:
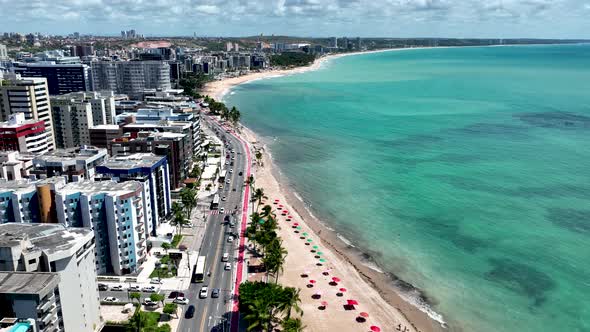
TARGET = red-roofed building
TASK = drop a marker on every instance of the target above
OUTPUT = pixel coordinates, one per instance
(18, 134)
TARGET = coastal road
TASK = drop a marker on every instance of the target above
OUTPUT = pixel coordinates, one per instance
(214, 314)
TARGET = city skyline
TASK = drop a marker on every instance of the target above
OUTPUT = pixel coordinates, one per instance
(387, 18)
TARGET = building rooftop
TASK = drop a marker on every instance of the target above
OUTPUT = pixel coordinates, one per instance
(27, 282)
(67, 156)
(136, 160)
(107, 187)
(106, 127)
(16, 186)
(50, 238)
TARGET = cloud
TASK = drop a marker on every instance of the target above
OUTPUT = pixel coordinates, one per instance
(396, 18)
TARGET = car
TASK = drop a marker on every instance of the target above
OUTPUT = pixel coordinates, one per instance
(134, 288)
(190, 312)
(231, 164)
(181, 300)
(110, 299)
(231, 170)
(203, 292)
(223, 198)
(227, 156)
(227, 266)
(233, 158)
(232, 224)
(117, 288)
(240, 174)
(225, 257)
(227, 162)
(103, 287)
(215, 292)
(228, 181)
(156, 281)
(230, 239)
(175, 294)
(220, 186)
(149, 289)
(149, 303)
(222, 210)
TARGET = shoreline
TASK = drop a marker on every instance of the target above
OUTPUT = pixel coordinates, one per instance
(414, 309)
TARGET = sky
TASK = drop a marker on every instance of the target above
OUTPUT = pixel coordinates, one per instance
(317, 18)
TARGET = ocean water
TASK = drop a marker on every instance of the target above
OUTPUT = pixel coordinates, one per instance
(464, 171)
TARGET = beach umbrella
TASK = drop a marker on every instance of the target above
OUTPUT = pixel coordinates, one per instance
(312, 281)
(342, 289)
(324, 303)
(304, 234)
(352, 302)
(309, 240)
(285, 211)
(336, 279)
(319, 253)
(298, 227)
(290, 217)
(315, 247)
(364, 314)
(318, 293)
(295, 224)
(322, 260)
(375, 328)
(261, 221)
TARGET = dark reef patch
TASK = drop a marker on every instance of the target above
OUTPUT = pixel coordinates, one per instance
(555, 119)
(575, 220)
(521, 278)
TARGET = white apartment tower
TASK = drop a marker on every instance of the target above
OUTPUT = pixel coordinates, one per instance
(30, 97)
(71, 119)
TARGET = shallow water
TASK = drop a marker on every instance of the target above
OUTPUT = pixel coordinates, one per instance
(464, 171)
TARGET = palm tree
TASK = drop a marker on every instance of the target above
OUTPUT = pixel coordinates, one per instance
(260, 315)
(289, 300)
(250, 181)
(188, 198)
(258, 195)
(258, 156)
(166, 246)
(292, 325)
(266, 211)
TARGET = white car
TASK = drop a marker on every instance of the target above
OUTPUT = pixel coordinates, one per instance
(149, 303)
(149, 289)
(110, 299)
(223, 198)
(134, 288)
(227, 266)
(228, 181)
(155, 281)
(231, 170)
(227, 162)
(203, 292)
(222, 210)
(230, 239)
(181, 300)
(117, 288)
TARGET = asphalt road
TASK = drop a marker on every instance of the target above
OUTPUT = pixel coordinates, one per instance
(213, 314)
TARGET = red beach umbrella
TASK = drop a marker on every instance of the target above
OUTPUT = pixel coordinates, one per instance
(342, 289)
(285, 211)
(312, 281)
(364, 314)
(295, 224)
(375, 328)
(324, 303)
(290, 217)
(276, 200)
(336, 279)
(352, 302)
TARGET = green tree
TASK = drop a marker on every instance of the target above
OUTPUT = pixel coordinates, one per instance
(258, 156)
(266, 211)
(290, 299)
(188, 197)
(135, 296)
(250, 181)
(157, 298)
(292, 325)
(260, 315)
(170, 308)
(166, 246)
(258, 196)
(234, 116)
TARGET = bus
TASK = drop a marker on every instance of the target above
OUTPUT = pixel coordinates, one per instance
(199, 273)
(215, 203)
(222, 176)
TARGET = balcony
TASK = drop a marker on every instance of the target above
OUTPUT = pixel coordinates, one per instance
(140, 243)
(47, 318)
(139, 227)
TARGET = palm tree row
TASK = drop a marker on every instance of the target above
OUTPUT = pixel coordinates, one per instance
(264, 304)
(268, 305)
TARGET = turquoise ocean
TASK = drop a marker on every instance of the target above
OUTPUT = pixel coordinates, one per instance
(464, 171)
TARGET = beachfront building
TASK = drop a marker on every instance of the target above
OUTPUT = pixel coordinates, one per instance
(75, 164)
(149, 169)
(27, 136)
(49, 275)
(117, 213)
(30, 97)
(101, 103)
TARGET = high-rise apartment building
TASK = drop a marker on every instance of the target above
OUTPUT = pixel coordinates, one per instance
(149, 169)
(30, 97)
(76, 164)
(102, 103)
(71, 121)
(130, 77)
(61, 78)
(117, 213)
(3, 52)
(49, 276)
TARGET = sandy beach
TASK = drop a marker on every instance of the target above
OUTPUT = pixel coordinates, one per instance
(374, 291)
